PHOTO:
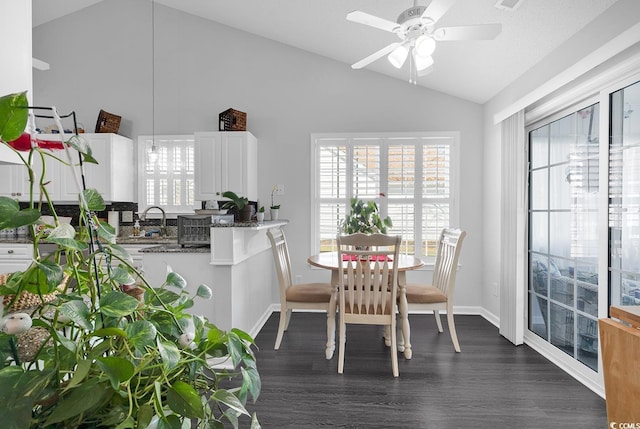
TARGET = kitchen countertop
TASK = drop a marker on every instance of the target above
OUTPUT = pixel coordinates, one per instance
(176, 248)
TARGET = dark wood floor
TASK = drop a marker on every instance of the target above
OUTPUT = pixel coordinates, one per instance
(491, 384)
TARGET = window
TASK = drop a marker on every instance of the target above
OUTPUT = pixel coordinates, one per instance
(412, 177)
(169, 181)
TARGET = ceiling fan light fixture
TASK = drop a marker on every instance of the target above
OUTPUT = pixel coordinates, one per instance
(425, 46)
(398, 56)
(421, 62)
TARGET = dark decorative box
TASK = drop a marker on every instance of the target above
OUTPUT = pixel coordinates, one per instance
(107, 123)
(232, 120)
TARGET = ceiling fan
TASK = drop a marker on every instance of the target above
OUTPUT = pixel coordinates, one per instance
(416, 28)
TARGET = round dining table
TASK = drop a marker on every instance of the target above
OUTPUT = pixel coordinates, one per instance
(329, 261)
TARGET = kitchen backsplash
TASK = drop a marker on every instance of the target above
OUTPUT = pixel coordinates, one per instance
(73, 211)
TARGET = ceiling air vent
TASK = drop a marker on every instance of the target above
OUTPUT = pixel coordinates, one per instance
(508, 4)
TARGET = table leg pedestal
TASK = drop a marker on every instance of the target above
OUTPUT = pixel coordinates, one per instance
(404, 336)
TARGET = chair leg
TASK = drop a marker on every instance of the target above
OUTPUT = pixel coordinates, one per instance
(394, 351)
(331, 329)
(343, 331)
(452, 328)
(282, 326)
(438, 322)
(286, 326)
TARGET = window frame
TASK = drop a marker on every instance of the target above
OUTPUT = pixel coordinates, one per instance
(171, 210)
(452, 138)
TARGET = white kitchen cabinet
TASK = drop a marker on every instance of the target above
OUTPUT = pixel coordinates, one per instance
(113, 176)
(15, 257)
(14, 183)
(225, 161)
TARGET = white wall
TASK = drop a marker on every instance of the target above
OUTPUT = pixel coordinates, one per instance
(101, 58)
(613, 31)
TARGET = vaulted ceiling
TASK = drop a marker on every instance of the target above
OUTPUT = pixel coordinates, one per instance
(472, 70)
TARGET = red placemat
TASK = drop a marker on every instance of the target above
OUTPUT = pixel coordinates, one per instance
(371, 258)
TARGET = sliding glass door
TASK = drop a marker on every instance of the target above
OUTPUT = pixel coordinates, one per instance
(624, 196)
(563, 234)
(570, 279)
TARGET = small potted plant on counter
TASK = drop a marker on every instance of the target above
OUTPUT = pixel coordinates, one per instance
(275, 208)
(260, 214)
(239, 205)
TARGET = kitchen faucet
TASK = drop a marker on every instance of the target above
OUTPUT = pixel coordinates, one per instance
(163, 222)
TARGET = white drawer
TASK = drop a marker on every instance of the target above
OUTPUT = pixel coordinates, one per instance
(15, 251)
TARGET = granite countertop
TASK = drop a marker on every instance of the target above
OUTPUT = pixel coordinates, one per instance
(176, 248)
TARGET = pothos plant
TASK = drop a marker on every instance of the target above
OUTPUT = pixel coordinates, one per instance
(364, 217)
(116, 351)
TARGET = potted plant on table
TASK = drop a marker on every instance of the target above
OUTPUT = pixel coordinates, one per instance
(364, 217)
(238, 205)
(88, 344)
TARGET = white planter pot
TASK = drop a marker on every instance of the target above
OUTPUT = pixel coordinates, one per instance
(260, 217)
(274, 214)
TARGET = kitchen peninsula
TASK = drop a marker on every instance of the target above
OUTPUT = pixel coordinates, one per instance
(238, 267)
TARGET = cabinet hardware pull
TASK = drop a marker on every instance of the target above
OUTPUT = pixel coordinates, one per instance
(10, 251)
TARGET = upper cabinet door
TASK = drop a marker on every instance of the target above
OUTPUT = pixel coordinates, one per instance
(112, 177)
(225, 161)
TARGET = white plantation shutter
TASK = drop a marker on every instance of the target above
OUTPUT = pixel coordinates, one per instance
(169, 182)
(409, 175)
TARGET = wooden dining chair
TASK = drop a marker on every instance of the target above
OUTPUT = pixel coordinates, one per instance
(368, 286)
(314, 296)
(439, 294)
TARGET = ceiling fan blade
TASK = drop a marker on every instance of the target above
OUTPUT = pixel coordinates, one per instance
(372, 21)
(468, 32)
(436, 9)
(376, 55)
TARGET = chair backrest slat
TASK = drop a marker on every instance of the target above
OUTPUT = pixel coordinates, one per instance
(371, 278)
(446, 265)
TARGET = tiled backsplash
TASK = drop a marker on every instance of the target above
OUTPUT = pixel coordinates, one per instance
(73, 211)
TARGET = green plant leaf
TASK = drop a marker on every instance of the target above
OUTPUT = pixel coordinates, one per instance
(141, 334)
(170, 422)
(106, 232)
(79, 400)
(236, 347)
(176, 280)
(204, 291)
(230, 400)
(215, 336)
(94, 200)
(78, 312)
(165, 323)
(53, 275)
(121, 253)
(118, 304)
(13, 115)
(117, 370)
(81, 372)
(164, 295)
(145, 414)
(12, 217)
(251, 379)
(80, 144)
(19, 390)
(170, 354)
(120, 275)
(185, 400)
(109, 332)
